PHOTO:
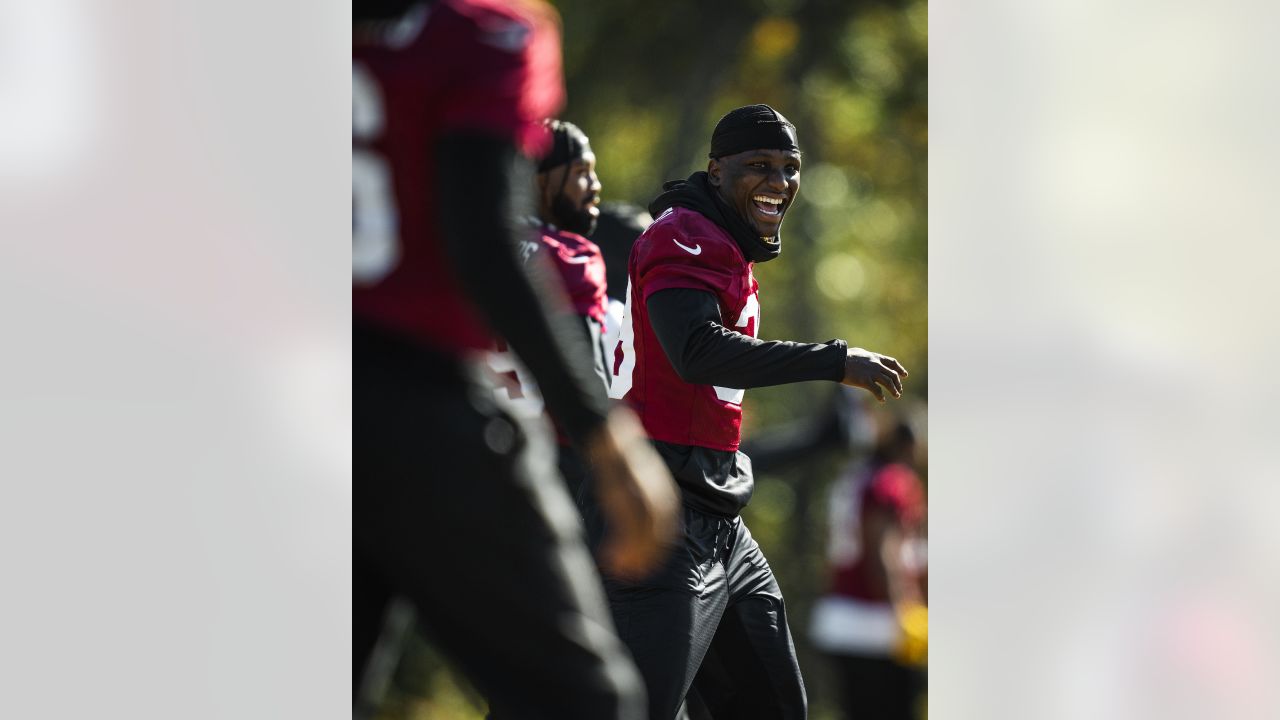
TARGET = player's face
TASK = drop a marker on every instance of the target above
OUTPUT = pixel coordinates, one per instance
(571, 195)
(759, 184)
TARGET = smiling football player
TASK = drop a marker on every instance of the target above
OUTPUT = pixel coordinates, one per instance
(687, 351)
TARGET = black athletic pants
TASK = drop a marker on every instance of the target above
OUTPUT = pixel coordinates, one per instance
(456, 506)
(713, 611)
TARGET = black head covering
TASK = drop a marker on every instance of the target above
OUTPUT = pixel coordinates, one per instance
(754, 127)
(569, 143)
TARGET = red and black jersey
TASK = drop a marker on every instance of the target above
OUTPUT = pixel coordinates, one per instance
(455, 65)
(893, 489)
(688, 346)
(581, 268)
(683, 249)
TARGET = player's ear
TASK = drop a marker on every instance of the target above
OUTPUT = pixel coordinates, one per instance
(713, 172)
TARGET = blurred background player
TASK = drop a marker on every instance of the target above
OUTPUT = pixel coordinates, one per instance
(687, 351)
(568, 193)
(617, 228)
(568, 199)
(872, 623)
(456, 505)
(842, 425)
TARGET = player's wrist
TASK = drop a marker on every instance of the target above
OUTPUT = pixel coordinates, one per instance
(838, 350)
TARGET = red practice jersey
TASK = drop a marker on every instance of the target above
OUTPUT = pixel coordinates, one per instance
(894, 489)
(580, 265)
(581, 268)
(683, 249)
(458, 65)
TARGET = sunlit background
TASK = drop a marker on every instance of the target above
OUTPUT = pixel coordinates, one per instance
(647, 82)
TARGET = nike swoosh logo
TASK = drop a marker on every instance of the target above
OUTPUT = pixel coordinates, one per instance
(695, 250)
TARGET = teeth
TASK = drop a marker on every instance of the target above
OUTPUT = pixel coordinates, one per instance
(765, 199)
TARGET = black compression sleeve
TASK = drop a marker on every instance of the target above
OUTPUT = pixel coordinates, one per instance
(705, 352)
(484, 186)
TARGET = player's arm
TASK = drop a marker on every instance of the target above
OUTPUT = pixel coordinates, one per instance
(483, 184)
(702, 350)
(883, 536)
(780, 446)
(593, 335)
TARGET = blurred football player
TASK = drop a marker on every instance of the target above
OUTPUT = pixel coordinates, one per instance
(568, 194)
(687, 351)
(872, 622)
(456, 505)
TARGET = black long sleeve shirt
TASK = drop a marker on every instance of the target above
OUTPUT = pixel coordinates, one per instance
(703, 351)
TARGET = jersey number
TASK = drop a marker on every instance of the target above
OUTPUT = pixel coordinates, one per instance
(375, 240)
(624, 354)
(749, 323)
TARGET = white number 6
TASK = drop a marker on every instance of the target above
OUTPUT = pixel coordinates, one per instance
(749, 323)
(375, 241)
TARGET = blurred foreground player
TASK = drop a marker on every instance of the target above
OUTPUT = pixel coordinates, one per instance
(688, 349)
(456, 506)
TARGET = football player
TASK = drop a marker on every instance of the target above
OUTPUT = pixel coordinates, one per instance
(873, 622)
(568, 195)
(688, 349)
(455, 502)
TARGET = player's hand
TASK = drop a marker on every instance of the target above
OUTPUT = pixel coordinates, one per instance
(636, 492)
(874, 372)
